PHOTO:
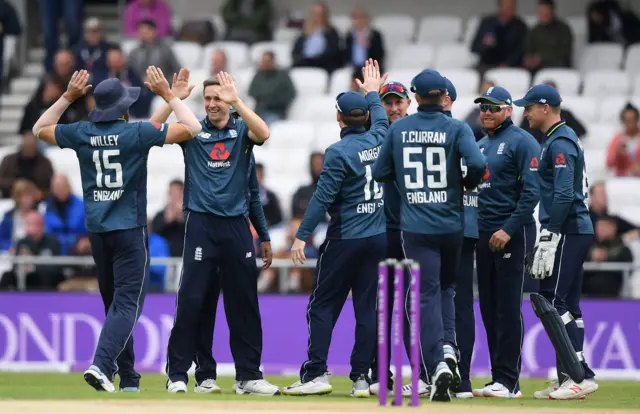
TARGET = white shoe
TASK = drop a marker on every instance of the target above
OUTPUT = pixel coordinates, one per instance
(497, 390)
(374, 389)
(256, 387)
(544, 394)
(441, 383)
(569, 390)
(480, 392)
(207, 386)
(94, 377)
(424, 389)
(360, 388)
(178, 387)
(463, 395)
(317, 386)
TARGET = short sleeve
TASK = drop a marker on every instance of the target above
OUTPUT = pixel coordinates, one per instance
(67, 136)
(152, 134)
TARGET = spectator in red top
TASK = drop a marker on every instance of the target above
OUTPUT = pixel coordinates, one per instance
(623, 154)
(140, 10)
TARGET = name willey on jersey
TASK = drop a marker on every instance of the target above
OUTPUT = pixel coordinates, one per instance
(426, 137)
(107, 141)
(368, 156)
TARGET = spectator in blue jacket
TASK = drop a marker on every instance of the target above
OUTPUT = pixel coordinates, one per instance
(64, 217)
(158, 247)
(13, 225)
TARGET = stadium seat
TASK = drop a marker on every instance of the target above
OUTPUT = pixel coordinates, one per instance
(218, 23)
(453, 56)
(287, 135)
(326, 133)
(285, 186)
(530, 20)
(578, 25)
(609, 109)
(282, 52)
(436, 29)
(342, 23)
(9, 52)
(403, 75)
(319, 108)
(516, 81)
(340, 81)
(463, 105)
(64, 161)
(243, 78)
(412, 56)
(598, 56)
(127, 45)
(620, 193)
(286, 35)
(166, 159)
(237, 55)
(567, 80)
(466, 81)
(632, 60)
(189, 54)
(309, 81)
(606, 82)
(470, 30)
(583, 107)
(598, 135)
(596, 163)
(396, 29)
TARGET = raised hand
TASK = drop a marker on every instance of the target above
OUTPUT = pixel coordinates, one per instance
(158, 84)
(372, 81)
(77, 87)
(180, 86)
(228, 93)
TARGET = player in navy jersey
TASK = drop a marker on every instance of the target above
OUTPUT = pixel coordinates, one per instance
(422, 154)
(355, 242)
(566, 229)
(218, 245)
(113, 163)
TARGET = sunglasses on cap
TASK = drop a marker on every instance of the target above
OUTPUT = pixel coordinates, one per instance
(492, 108)
(393, 87)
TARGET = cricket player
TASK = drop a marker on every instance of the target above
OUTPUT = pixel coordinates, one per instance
(507, 231)
(113, 163)
(566, 229)
(355, 242)
(422, 155)
(218, 245)
(458, 318)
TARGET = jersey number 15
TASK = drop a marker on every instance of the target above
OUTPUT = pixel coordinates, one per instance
(107, 165)
(435, 162)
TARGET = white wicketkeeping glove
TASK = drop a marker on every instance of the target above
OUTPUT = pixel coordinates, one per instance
(544, 255)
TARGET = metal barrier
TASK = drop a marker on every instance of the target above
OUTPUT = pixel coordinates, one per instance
(282, 264)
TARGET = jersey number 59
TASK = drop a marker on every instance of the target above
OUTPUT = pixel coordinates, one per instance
(107, 165)
(436, 163)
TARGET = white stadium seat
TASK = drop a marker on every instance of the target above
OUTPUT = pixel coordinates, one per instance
(218, 23)
(168, 158)
(404, 76)
(599, 135)
(309, 108)
(636, 85)
(632, 60)
(463, 105)
(516, 81)
(127, 45)
(287, 135)
(596, 163)
(567, 80)
(470, 30)
(412, 56)
(341, 22)
(578, 25)
(606, 82)
(466, 81)
(583, 107)
(309, 81)
(530, 20)
(620, 193)
(436, 29)
(282, 52)
(189, 54)
(601, 56)
(340, 81)
(286, 35)
(237, 55)
(453, 56)
(609, 109)
(326, 134)
(395, 29)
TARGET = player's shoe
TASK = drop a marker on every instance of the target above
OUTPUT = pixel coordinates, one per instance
(544, 394)
(374, 389)
(497, 390)
(424, 390)
(178, 387)
(256, 387)
(441, 384)
(207, 386)
(317, 386)
(570, 390)
(452, 362)
(94, 377)
(464, 391)
(360, 388)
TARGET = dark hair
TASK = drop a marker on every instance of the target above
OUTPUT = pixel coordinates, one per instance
(357, 74)
(629, 107)
(116, 48)
(359, 118)
(555, 109)
(209, 82)
(593, 186)
(430, 99)
(147, 22)
(176, 182)
(259, 166)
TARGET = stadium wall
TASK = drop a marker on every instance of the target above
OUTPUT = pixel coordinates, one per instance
(58, 332)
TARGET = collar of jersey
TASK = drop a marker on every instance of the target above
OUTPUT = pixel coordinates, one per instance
(352, 130)
(555, 126)
(448, 113)
(231, 124)
(504, 125)
(430, 108)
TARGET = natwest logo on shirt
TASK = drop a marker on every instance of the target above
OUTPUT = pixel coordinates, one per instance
(561, 162)
(219, 154)
(534, 164)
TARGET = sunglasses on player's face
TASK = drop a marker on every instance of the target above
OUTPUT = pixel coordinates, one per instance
(392, 87)
(492, 108)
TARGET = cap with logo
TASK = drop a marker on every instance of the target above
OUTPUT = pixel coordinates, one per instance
(394, 88)
(451, 90)
(428, 82)
(352, 104)
(495, 95)
(540, 94)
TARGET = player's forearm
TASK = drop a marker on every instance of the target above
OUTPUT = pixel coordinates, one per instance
(161, 115)
(558, 215)
(312, 217)
(259, 221)
(256, 125)
(51, 116)
(379, 120)
(185, 116)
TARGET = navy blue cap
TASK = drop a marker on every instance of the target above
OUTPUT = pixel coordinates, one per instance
(451, 90)
(349, 102)
(112, 100)
(496, 95)
(428, 80)
(540, 94)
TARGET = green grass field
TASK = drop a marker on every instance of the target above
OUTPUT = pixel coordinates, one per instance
(612, 394)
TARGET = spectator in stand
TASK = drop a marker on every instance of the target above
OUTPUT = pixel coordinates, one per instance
(36, 243)
(610, 22)
(80, 278)
(473, 118)
(302, 196)
(156, 11)
(272, 90)
(270, 202)
(64, 216)
(607, 247)
(218, 62)
(29, 164)
(169, 223)
(50, 13)
(566, 116)
(623, 154)
(91, 53)
(598, 208)
(362, 42)
(13, 225)
(500, 38)
(319, 44)
(158, 247)
(152, 51)
(9, 25)
(248, 21)
(117, 68)
(550, 42)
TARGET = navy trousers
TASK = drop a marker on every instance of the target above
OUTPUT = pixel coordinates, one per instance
(564, 287)
(218, 255)
(465, 319)
(438, 256)
(344, 266)
(500, 286)
(122, 261)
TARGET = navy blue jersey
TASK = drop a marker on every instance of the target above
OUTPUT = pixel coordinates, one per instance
(422, 154)
(564, 188)
(509, 191)
(256, 212)
(216, 164)
(113, 166)
(346, 188)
